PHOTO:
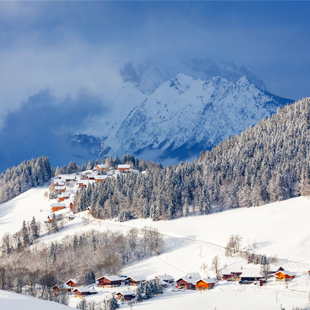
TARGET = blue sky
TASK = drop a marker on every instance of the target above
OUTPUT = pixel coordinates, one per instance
(69, 48)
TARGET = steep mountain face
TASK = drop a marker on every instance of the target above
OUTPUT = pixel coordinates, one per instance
(185, 115)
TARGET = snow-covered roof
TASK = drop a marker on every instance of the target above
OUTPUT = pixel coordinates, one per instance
(124, 166)
(84, 182)
(207, 280)
(112, 278)
(126, 293)
(77, 280)
(103, 166)
(101, 177)
(137, 278)
(191, 280)
(58, 215)
(288, 273)
(165, 277)
(231, 271)
(251, 273)
(59, 187)
(63, 195)
(274, 268)
(58, 204)
(67, 176)
(85, 290)
(92, 175)
(59, 182)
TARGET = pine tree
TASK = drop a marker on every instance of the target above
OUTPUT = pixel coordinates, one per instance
(34, 229)
(139, 293)
(25, 234)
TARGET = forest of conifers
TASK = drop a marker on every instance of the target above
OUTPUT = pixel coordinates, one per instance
(266, 163)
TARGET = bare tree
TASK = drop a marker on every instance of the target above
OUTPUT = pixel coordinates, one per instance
(216, 266)
(265, 272)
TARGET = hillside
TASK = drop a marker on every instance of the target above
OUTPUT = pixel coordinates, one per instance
(14, 301)
(279, 228)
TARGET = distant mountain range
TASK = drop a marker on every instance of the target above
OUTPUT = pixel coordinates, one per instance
(177, 117)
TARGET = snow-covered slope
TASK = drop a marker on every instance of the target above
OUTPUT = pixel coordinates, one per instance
(24, 207)
(279, 228)
(185, 116)
(12, 301)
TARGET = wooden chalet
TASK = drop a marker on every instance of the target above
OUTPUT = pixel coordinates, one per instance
(102, 167)
(235, 274)
(58, 217)
(284, 275)
(274, 269)
(63, 196)
(84, 291)
(123, 168)
(91, 176)
(85, 173)
(73, 282)
(226, 274)
(135, 281)
(58, 288)
(166, 278)
(56, 206)
(59, 189)
(59, 182)
(251, 275)
(110, 281)
(204, 284)
(187, 283)
(83, 183)
(128, 295)
(100, 178)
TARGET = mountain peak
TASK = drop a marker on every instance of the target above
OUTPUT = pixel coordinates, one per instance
(243, 82)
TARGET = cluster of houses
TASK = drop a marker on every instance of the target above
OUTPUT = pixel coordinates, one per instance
(189, 282)
(73, 286)
(246, 276)
(67, 185)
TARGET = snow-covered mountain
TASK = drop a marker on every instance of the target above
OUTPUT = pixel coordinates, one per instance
(172, 111)
(147, 76)
(185, 115)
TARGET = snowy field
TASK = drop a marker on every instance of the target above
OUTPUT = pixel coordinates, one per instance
(280, 229)
(12, 301)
